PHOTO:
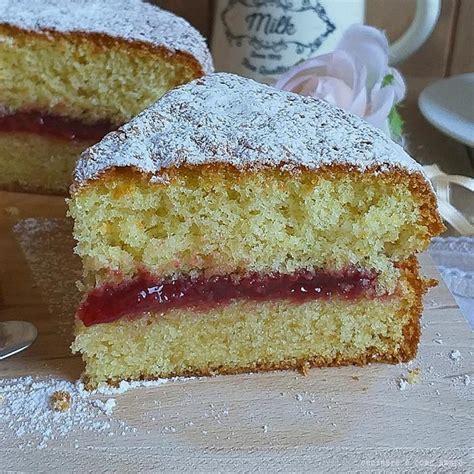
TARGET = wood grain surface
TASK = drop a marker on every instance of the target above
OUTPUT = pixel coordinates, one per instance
(330, 420)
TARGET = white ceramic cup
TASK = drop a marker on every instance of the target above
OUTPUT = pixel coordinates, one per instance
(262, 39)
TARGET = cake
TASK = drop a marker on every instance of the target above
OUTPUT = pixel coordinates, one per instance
(234, 227)
(73, 70)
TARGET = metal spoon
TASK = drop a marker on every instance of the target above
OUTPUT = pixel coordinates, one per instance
(15, 336)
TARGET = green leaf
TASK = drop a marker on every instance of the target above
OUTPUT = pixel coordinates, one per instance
(395, 123)
(388, 80)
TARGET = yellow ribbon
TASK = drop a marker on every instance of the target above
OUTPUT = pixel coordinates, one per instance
(441, 183)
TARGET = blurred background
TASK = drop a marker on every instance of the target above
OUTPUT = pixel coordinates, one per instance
(448, 51)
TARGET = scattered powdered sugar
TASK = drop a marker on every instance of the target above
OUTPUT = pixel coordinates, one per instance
(455, 355)
(47, 245)
(402, 384)
(26, 409)
(224, 118)
(125, 386)
(108, 406)
(133, 20)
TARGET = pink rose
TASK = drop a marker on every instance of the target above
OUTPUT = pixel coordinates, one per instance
(352, 77)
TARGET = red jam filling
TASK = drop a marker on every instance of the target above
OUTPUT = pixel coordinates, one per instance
(147, 293)
(55, 125)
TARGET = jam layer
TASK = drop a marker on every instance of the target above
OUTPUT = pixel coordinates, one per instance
(55, 125)
(146, 293)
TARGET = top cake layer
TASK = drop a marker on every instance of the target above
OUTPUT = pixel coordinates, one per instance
(132, 20)
(224, 118)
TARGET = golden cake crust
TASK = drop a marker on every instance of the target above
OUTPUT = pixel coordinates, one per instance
(132, 21)
(102, 42)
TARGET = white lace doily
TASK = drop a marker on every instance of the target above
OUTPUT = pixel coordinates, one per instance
(454, 257)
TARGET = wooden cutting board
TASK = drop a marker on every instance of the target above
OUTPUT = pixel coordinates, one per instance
(339, 419)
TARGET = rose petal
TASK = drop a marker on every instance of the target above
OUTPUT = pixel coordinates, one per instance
(359, 104)
(369, 47)
(334, 91)
(342, 66)
(309, 85)
(362, 34)
(381, 102)
(399, 85)
(301, 83)
(303, 68)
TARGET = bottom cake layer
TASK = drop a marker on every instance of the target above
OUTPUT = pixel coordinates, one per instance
(37, 163)
(251, 336)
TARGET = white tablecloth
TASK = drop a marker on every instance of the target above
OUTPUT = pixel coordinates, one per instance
(454, 257)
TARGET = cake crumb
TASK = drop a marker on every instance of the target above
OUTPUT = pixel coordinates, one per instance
(109, 405)
(61, 400)
(355, 377)
(304, 369)
(455, 355)
(414, 376)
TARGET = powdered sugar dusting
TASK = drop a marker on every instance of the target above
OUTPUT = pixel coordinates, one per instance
(125, 385)
(25, 407)
(46, 244)
(229, 119)
(133, 20)
(28, 411)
